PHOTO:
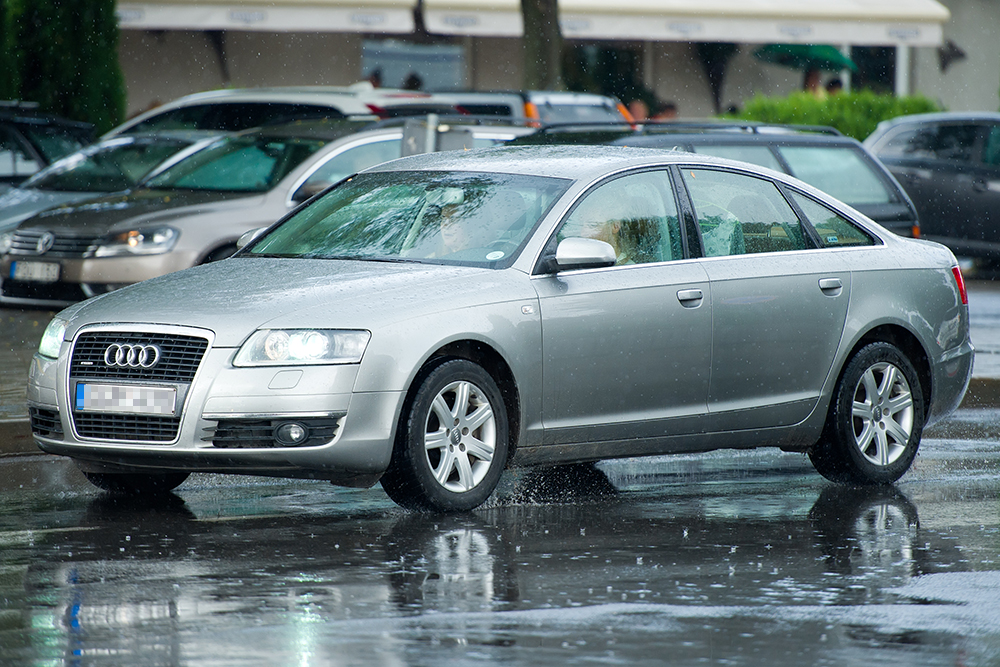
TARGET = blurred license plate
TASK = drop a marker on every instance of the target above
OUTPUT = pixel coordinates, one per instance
(39, 272)
(125, 399)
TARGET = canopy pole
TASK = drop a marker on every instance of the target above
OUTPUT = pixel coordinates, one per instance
(845, 74)
(903, 53)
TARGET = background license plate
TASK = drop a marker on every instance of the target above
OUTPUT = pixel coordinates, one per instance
(41, 272)
(129, 399)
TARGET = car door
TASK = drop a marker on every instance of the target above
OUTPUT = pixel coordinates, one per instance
(626, 349)
(778, 308)
(933, 163)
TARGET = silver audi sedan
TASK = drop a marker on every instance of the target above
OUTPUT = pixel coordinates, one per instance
(431, 321)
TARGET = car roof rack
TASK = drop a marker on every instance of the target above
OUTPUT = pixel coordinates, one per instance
(682, 127)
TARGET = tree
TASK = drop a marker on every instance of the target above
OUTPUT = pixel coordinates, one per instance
(543, 45)
(10, 82)
(66, 55)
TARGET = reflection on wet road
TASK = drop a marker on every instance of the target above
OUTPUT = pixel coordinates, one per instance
(738, 558)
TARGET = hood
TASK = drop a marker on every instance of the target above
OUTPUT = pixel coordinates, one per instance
(139, 207)
(18, 204)
(236, 296)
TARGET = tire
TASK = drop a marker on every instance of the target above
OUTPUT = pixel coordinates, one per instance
(875, 421)
(453, 440)
(137, 484)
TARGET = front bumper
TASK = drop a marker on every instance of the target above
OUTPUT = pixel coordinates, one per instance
(354, 450)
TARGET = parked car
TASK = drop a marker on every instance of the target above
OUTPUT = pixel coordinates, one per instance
(434, 319)
(235, 109)
(541, 106)
(194, 210)
(108, 166)
(949, 164)
(838, 165)
(31, 139)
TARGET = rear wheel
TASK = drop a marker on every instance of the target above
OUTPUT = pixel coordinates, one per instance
(137, 484)
(452, 443)
(876, 418)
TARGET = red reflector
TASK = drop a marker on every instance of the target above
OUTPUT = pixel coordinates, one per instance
(957, 272)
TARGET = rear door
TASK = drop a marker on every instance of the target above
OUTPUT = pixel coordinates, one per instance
(778, 304)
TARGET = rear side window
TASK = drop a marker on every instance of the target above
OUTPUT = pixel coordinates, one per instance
(15, 160)
(833, 230)
(842, 172)
(740, 214)
(759, 155)
(938, 141)
(991, 147)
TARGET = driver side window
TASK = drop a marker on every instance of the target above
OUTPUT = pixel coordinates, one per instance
(636, 214)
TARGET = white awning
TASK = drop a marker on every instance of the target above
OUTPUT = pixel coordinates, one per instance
(859, 22)
(391, 16)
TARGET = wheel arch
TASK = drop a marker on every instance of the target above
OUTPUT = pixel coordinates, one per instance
(908, 344)
(492, 362)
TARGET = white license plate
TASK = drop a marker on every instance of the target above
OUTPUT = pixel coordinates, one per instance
(128, 399)
(39, 272)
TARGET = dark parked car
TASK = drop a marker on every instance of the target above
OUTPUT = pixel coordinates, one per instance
(822, 157)
(31, 140)
(949, 164)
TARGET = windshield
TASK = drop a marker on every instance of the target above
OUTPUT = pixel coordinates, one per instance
(237, 164)
(54, 141)
(109, 167)
(479, 219)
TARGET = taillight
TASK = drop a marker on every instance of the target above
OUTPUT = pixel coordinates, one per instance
(960, 281)
(377, 110)
(915, 231)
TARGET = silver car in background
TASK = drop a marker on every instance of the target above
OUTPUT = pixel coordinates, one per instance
(433, 320)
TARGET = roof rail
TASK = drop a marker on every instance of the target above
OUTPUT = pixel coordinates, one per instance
(680, 127)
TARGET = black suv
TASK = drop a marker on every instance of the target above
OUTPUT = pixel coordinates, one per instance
(820, 156)
(31, 140)
(949, 164)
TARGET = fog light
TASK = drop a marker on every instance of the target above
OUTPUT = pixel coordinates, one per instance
(291, 434)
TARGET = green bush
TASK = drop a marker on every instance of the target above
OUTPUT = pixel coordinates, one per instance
(855, 114)
(65, 55)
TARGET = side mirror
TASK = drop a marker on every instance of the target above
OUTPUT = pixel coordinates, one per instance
(580, 253)
(248, 237)
(308, 191)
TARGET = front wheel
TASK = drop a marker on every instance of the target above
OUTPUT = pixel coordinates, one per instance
(452, 443)
(137, 484)
(876, 419)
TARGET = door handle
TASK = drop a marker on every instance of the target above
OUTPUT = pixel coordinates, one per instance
(690, 298)
(831, 286)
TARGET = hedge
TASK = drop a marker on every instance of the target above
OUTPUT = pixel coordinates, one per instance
(855, 114)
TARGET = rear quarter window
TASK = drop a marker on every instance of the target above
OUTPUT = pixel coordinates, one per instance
(832, 229)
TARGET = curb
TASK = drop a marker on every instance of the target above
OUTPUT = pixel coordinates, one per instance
(15, 434)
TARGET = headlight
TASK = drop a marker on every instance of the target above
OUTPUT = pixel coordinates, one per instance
(52, 338)
(292, 347)
(6, 239)
(139, 242)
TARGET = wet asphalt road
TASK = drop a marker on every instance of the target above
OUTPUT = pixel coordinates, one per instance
(726, 558)
(744, 558)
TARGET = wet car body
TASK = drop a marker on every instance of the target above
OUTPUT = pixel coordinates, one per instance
(545, 349)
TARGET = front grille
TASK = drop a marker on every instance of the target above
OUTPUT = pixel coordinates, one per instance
(25, 242)
(45, 422)
(20, 289)
(259, 434)
(181, 356)
(126, 427)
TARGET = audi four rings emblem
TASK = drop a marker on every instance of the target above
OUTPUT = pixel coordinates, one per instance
(124, 355)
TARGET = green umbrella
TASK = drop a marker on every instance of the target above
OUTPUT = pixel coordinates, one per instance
(806, 57)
